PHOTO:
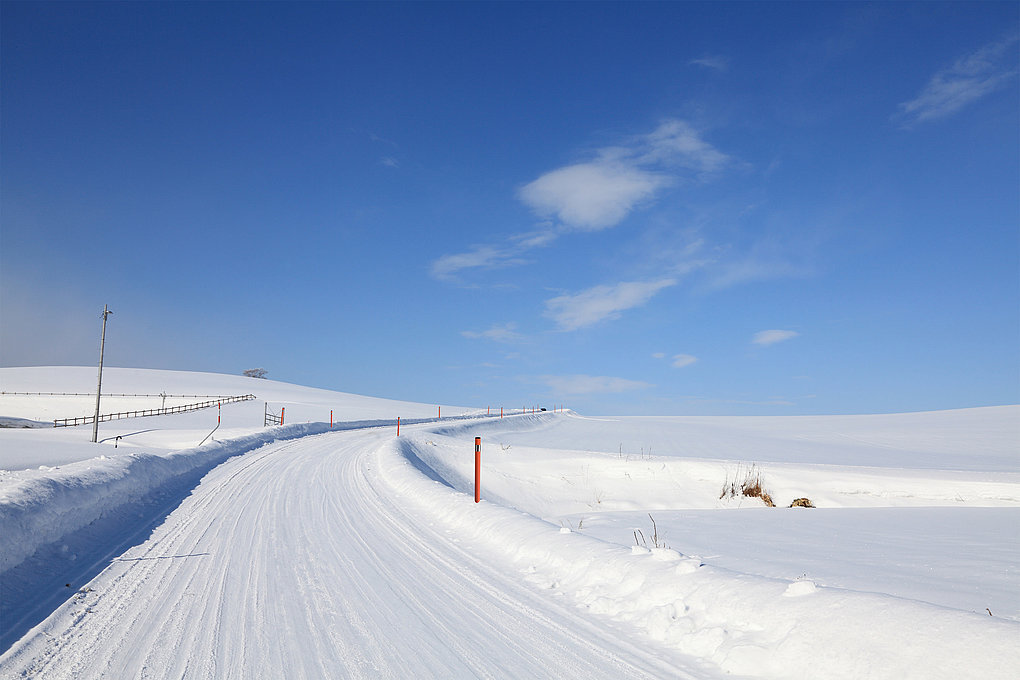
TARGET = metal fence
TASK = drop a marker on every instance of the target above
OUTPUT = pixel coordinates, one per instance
(272, 418)
(86, 420)
(105, 394)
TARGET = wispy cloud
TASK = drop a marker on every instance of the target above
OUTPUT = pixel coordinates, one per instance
(683, 360)
(448, 266)
(678, 360)
(534, 239)
(600, 303)
(971, 77)
(505, 333)
(677, 143)
(591, 384)
(600, 193)
(389, 162)
(382, 140)
(773, 336)
(707, 401)
(770, 256)
(753, 267)
(715, 62)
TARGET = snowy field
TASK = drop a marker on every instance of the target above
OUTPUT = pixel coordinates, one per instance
(603, 547)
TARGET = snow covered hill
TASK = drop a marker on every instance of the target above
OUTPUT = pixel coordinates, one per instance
(609, 547)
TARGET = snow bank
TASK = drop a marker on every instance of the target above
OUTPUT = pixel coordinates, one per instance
(559, 480)
(748, 625)
(40, 506)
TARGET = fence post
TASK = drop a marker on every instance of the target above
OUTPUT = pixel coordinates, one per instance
(478, 468)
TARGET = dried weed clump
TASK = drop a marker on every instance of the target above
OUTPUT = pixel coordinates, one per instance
(751, 486)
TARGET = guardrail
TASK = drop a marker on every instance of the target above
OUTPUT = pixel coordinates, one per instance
(86, 420)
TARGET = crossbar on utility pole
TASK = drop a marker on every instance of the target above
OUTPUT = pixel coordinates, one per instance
(99, 384)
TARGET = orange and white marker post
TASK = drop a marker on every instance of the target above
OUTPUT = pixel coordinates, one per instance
(478, 468)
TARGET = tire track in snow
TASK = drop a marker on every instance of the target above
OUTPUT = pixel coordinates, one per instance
(478, 576)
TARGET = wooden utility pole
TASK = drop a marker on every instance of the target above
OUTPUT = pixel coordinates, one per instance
(99, 385)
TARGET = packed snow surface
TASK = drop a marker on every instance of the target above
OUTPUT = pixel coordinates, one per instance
(602, 548)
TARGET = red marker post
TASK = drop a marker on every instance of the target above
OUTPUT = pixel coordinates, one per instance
(331, 419)
(478, 468)
(398, 426)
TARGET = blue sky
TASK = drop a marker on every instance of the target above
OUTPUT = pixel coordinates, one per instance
(663, 208)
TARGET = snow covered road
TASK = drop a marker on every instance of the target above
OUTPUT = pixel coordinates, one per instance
(295, 561)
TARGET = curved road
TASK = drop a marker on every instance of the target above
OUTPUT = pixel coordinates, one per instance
(292, 561)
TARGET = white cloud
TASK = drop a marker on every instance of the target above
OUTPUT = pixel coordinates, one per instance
(773, 336)
(601, 302)
(591, 196)
(968, 79)
(389, 162)
(504, 333)
(676, 142)
(659, 355)
(711, 61)
(534, 239)
(490, 257)
(591, 384)
(682, 360)
(600, 193)
(447, 266)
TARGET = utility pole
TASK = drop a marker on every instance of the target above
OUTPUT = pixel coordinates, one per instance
(99, 385)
